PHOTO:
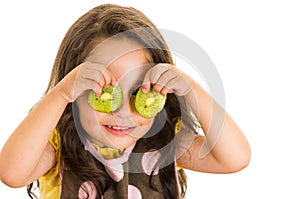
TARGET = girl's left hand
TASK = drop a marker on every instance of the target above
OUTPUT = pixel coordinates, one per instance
(166, 78)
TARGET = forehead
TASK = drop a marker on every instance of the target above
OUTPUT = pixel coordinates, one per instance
(125, 58)
(111, 49)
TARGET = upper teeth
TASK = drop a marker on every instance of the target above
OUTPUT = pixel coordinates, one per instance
(118, 127)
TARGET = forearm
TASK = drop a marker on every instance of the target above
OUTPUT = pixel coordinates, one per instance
(224, 139)
(24, 148)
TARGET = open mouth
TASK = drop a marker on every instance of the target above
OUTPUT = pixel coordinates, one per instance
(118, 130)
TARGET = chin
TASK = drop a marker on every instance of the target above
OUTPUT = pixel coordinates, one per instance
(122, 144)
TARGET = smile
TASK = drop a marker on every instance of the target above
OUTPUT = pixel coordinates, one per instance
(118, 130)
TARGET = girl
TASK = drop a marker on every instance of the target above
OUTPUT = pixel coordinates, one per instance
(74, 151)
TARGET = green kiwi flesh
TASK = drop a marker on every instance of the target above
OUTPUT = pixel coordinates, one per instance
(110, 99)
(149, 104)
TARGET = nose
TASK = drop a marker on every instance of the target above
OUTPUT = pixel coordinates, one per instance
(126, 109)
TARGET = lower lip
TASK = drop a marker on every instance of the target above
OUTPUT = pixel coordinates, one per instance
(118, 132)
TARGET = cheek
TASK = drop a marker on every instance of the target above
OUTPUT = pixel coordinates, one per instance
(87, 115)
(138, 119)
(147, 123)
(144, 125)
(87, 118)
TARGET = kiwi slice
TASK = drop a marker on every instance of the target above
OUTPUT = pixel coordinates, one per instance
(149, 104)
(110, 99)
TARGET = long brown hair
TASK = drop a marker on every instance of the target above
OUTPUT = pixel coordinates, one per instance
(102, 22)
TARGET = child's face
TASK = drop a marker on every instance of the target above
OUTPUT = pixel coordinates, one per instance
(124, 126)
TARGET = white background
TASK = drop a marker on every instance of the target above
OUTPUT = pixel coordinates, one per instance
(255, 46)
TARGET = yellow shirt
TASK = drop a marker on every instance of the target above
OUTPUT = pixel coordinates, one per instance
(50, 182)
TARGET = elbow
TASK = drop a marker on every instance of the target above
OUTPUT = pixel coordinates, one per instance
(12, 183)
(11, 180)
(246, 158)
(12, 176)
(240, 163)
(238, 167)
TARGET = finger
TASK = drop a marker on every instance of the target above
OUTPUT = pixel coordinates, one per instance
(146, 82)
(84, 85)
(92, 71)
(97, 89)
(157, 72)
(163, 80)
(179, 87)
(108, 76)
(157, 88)
(102, 75)
(114, 81)
(165, 91)
(152, 76)
(93, 80)
(92, 85)
(94, 76)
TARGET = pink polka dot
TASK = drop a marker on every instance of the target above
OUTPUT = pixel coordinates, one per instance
(149, 161)
(134, 193)
(87, 189)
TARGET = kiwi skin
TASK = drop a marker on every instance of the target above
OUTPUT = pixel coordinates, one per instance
(110, 99)
(149, 104)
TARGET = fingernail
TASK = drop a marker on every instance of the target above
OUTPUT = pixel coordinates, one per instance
(115, 84)
(144, 90)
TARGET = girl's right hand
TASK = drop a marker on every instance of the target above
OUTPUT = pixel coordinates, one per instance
(86, 76)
